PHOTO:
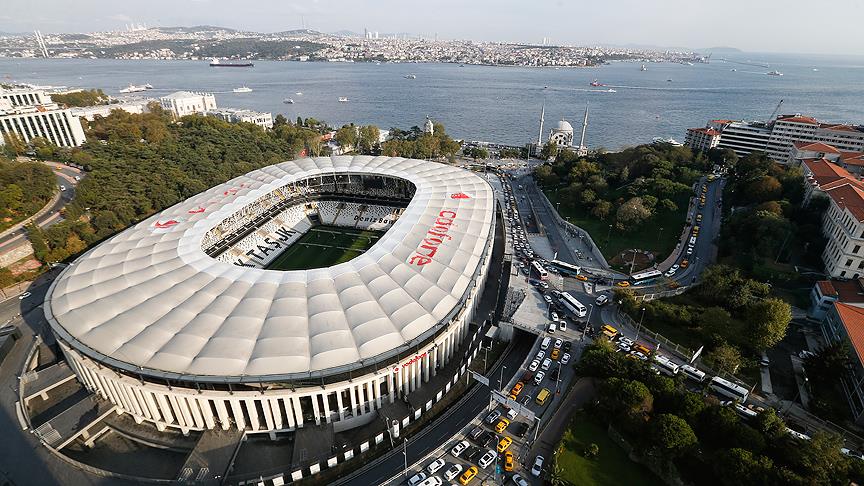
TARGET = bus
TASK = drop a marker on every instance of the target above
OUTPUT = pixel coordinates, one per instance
(566, 268)
(693, 373)
(538, 270)
(644, 276)
(728, 389)
(609, 331)
(665, 365)
(573, 305)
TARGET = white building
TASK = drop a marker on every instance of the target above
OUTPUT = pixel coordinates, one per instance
(702, 138)
(30, 113)
(231, 115)
(89, 113)
(562, 134)
(182, 103)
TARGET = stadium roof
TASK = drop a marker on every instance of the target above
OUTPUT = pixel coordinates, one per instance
(149, 300)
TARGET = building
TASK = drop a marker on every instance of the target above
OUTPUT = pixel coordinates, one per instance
(232, 115)
(843, 225)
(178, 323)
(826, 292)
(182, 103)
(777, 138)
(562, 134)
(845, 323)
(702, 138)
(429, 127)
(29, 113)
(90, 113)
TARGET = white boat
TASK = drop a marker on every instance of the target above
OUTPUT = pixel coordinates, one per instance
(774, 73)
(815, 70)
(643, 68)
(343, 99)
(610, 90)
(410, 76)
(242, 89)
(299, 93)
(148, 86)
(288, 101)
(133, 89)
(733, 70)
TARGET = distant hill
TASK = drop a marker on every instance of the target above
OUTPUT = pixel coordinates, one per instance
(195, 28)
(345, 33)
(721, 50)
(298, 32)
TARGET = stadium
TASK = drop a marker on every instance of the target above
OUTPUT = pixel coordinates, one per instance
(310, 290)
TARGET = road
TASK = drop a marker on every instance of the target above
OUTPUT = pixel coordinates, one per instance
(65, 178)
(439, 433)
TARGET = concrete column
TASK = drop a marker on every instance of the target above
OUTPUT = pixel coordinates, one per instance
(376, 384)
(207, 412)
(277, 413)
(298, 410)
(151, 405)
(370, 398)
(222, 412)
(315, 410)
(327, 414)
(289, 412)
(406, 373)
(131, 398)
(390, 390)
(435, 361)
(426, 365)
(353, 400)
(238, 413)
(268, 414)
(358, 389)
(340, 405)
(253, 413)
(197, 418)
(165, 408)
(415, 375)
(139, 397)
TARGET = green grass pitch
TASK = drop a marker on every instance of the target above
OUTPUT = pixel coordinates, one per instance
(325, 246)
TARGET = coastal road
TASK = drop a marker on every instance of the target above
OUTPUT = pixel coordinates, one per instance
(441, 433)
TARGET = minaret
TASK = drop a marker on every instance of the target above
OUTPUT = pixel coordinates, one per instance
(540, 135)
(583, 150)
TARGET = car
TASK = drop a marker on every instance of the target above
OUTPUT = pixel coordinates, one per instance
(684, 263)
(62, 188)
(509, 463)
(623, 346)
(623, 284)
(552, 328)
(639, 355)
(764, 361)
(487, 459)
(468, 475)
(699, 218)
(493, 416)
(547, 299)
(562, 325)
(544, 285)
(534, 365)
(435, 466)
(674, 268)
(512, 414)
(554, 316)
(689, 250)
(538, 378)
(642, 349)
(581, 278)
(454, 471)
(567, 346)
(417, 478)
(540, 355)
(504, 443)
(519, 480)
(517, 389)
(555, 354)
(546, 364)
(669, 273)
(476, 432)
(459, 448)
(77, 178)
(501, 426)
(24, 295)
(850, 453)
(485, 438)
(558, 343)
(565, 358)
(602, 300)
(537, 468)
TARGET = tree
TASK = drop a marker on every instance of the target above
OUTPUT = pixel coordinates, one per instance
(601, 210)
(769, 424)
(13, 145)
(280, 121)
(829, 361)
(672, 435)
(625, 397)
(346, 137)
(369, 136)
(592, 451)
(740, 466)
(631, 214)
(37, 240)
(770, 318)
(549, 151)
(724, 358)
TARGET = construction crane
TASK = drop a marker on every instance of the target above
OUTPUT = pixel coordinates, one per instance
(775, 112)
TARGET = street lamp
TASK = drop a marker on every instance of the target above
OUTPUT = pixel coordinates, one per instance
(609, 235)
(639, 327)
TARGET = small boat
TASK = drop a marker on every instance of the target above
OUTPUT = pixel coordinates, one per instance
(596, 83)
(774, 73)
(643, 68)
(610, 90)
(148, 86)
(299, 93)
(410, 76)
(242, 89)
(343, 99)
(288, 101)
(668, 80)
(733, 70)
(133, 89)
(815, 70)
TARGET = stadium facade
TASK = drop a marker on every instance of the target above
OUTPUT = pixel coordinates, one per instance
(177, 320)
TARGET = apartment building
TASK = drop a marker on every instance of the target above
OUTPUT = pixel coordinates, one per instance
(182, 103)
(231, 115)
(28, 114)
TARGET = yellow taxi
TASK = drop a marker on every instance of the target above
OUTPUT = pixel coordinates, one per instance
(623, 284)
(555, 353)
(504, 444)
(517, 389)
(501, 426)
(468, 475)
(509, 463)
(684, 263)
(582, 278)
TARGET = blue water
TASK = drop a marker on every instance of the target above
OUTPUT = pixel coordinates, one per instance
(499, 104)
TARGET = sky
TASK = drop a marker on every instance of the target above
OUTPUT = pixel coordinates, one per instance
(789, 26)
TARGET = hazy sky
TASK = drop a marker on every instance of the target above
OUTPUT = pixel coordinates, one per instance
(800, 26)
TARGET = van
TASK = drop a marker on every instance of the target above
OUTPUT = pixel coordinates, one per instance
(545, 344)
(542, 396)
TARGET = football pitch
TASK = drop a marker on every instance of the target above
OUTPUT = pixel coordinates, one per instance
(324, 246)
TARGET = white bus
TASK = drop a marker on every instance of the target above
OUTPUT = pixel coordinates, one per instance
(665, 365)
(573, 305)
(728, 389)
(643, 276)
(693, 373)
(566, 268)
(539, 270)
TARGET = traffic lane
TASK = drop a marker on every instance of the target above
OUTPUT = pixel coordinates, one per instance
(15, 239)
(14, 307)
(454, 421)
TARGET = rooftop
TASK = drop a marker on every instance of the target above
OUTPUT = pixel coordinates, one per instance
(852, 318)
(816, 147)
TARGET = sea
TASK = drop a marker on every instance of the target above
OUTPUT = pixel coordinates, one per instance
(497, 104)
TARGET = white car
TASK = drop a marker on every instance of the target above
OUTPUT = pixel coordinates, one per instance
(487, 459)
(565, 358)
(534, 365)
(554, 316)
(546, 364)
(689, 250)
(519, 480)
(537, 468)
(62, 188)
(540, 355)
(455, 470)
(558, 343)
(552, 328)
(602, 300)
(24, 295)
(512, 414)
(435, 466)
(538, 378)
(459, 448)
(547, 299)
(415, 479)
(562, 325)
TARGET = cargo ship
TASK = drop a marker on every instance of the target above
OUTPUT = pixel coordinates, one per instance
(217, 63)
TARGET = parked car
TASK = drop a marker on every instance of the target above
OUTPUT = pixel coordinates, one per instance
(602, 300)
(538, 378)
(454, 471)
(519, 480)
(459, 448)
(417, 478)
(487, 459)
(537, 468)
(24, 295)
(534, 365)
(565, 358)
(493, 416)
(435, 466)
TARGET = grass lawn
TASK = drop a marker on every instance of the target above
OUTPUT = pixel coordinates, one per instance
(610, 467)
(647, 237)
(324, 246)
